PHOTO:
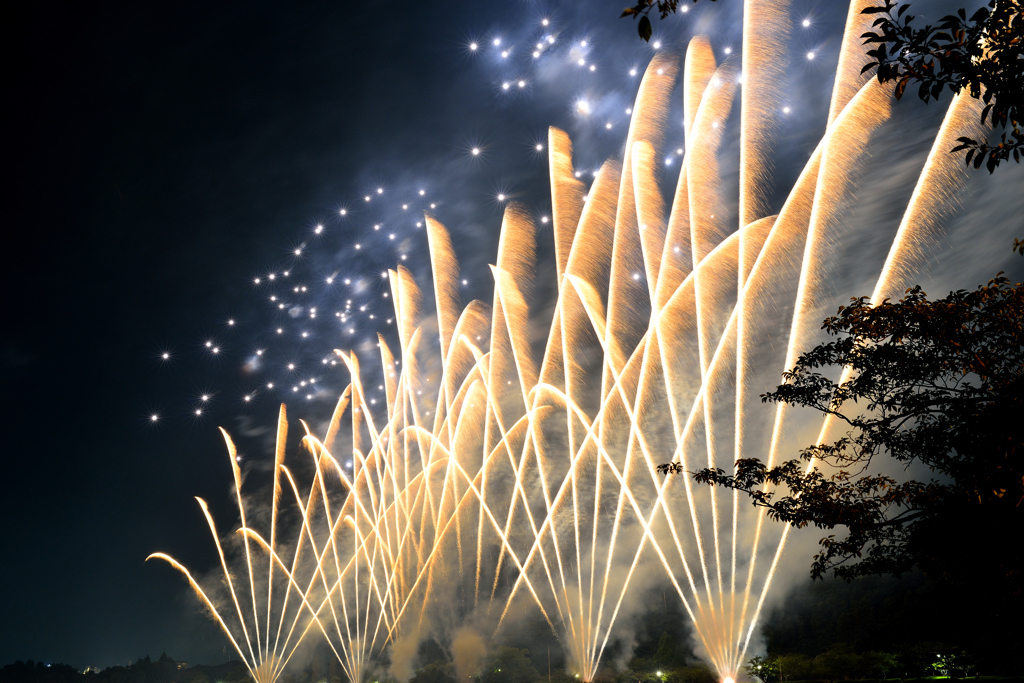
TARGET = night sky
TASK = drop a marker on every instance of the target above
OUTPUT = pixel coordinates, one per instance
(162, 159)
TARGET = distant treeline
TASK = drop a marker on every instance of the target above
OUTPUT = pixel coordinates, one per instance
(163, 670)
(872, 628)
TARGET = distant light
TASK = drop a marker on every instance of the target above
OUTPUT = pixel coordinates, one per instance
(380, 190)
(544, 22)
(593, 67)
(629, 110)
(636, 276)
(685, 9)
(661, 71)
(504, 54)
(543, 219)
(521, 84)
(432, 206)
(422, 192)
(473, 46)
(501, 197)
(668, 161)
(154, 417)
(476, 152)
(785, 110)
(465, 282)
(582, 62)
(608, 126)
(583, 43)
(367, 197)
(536, 54)
(165, 356)
(806, 23)
(657, 43)
(810, 55)
(540, 147)
(359, 246)
(376, 226)
(728, 50)
(343, 212)
(551, 40)
(298, 252)
(497, 42)
(319, 229)
(632, 72)
(679, 151)
(248, 397)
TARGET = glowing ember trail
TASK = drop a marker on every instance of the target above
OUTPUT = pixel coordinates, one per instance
(498, 473)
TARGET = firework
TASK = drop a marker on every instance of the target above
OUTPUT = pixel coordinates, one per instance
(485, 472)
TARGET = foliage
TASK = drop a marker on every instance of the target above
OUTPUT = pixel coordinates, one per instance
(643, 7)
(764, 669)
(983, 55)
(508, 665)
(435, 672)
(934, 383)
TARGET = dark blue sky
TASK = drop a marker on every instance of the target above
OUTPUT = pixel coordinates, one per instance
(160, 157)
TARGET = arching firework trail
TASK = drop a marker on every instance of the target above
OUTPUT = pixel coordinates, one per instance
(495, 472)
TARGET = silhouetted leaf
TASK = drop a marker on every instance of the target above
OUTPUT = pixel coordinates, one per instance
(644, 28)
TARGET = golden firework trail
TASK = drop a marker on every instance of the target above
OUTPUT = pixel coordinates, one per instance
(502, 472)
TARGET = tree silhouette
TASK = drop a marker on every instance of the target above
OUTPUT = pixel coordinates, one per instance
(934, 383)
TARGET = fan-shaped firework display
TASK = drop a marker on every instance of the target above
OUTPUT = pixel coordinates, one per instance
(502, 471)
